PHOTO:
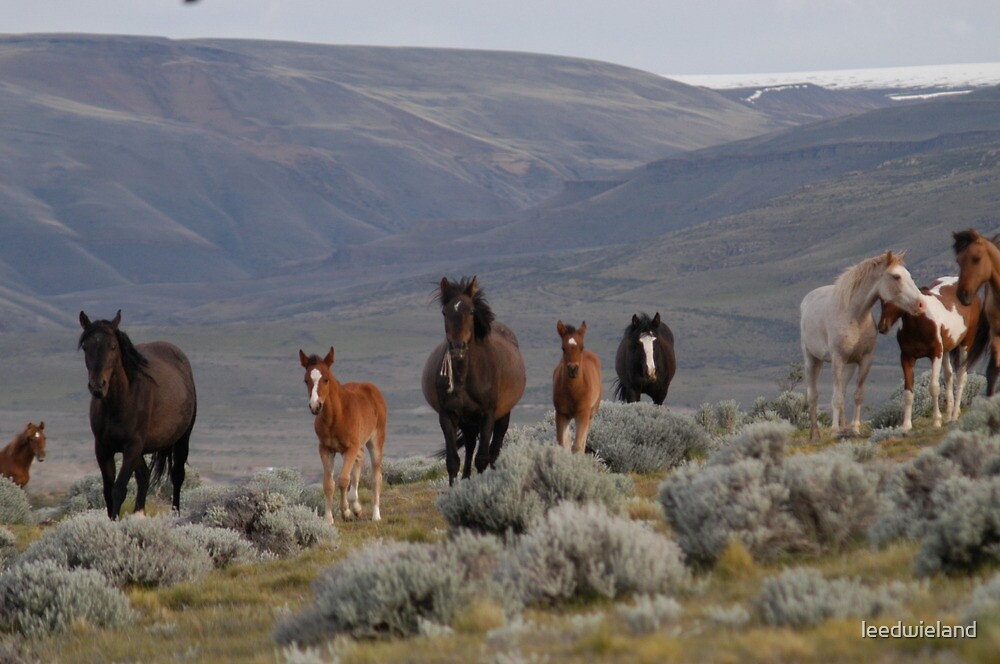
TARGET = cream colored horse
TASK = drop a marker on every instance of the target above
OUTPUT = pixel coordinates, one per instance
(837, 327)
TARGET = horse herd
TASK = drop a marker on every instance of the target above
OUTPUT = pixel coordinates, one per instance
(143, 397)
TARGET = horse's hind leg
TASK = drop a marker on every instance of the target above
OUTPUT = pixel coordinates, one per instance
(352, 491)
(177, 464)
(499, 431)
(859, 391)
(960, 369)
(935, 387)
(106, 462)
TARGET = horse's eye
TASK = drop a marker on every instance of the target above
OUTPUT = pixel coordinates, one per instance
(896, 277)
(975, 259)
(326, 380)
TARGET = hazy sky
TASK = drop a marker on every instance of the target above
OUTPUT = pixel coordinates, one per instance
(661, 36)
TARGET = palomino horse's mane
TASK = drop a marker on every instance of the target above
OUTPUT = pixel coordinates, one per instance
(482, 314)
(853, 278)
(134, 362)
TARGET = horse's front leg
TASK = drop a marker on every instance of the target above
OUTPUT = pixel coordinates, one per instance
(839, 388)
(859, 391)
(106, 462)
(449, 429)
(562, 431)
(485, 438)
(949, 386)
(469, 436)
(960, 384)
(350, 458)
(499, 431)
(935, 389)
(130, 462)
(327, 458)
(142, 486)
(907, 363)
(813, 367)
(582, 428)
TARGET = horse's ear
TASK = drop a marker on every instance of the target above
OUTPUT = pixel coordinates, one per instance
(41, 425)
(473, 287)
(443, 285)
(84, 321)
(117, 319)
(560, 328)
(582, 329)
(329, 359)
(303, 359)
(656, 319)
(635, 320)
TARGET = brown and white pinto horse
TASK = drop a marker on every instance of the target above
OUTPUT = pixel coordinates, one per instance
(978, 261)
(348, 417)
(16, 458)
(576, 386)
(947, 327)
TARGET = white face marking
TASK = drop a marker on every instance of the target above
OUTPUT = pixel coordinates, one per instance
(38, 435)
(647, 348)
(571, 342)
(458, 304)
(314, 397)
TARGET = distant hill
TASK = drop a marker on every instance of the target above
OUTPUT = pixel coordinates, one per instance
(133, 160)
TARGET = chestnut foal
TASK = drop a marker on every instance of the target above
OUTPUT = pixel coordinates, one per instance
(576, 386)
(347, 417)
(16, 458)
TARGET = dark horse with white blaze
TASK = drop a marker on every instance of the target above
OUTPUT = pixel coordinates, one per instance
(473, 378)
(142, 402)
(645, 361)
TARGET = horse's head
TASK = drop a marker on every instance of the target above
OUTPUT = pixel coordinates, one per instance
(643, 333)
(572, 346)
(101, 344)
(974, 265)
(318, 377)
(467, 315)
(896, 286)
(35, 435)
(890, 314)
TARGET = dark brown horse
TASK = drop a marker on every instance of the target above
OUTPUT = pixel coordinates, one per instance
(978, 261)
(142, 402)
(16, 458)
(474, 378)
(645, 361)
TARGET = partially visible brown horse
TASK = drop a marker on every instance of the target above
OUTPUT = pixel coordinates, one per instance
(979, 263)
(16, 458)
(348, 417)
(473, 378)
(947, 327)
(576, 386)
(142, 401)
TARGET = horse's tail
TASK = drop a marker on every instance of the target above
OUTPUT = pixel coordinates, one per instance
(981, 341)
(459, 444)
(162, 462)
(618, 389)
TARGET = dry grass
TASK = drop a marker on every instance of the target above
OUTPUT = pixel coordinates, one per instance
(229, 616)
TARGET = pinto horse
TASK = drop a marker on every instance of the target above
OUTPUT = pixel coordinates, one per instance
(946, 328)
(978, 261)
(142, 401)
(576, 386)
(836, 326)
(472, 379)
(645, 361)
(16, 458)
(348, 417)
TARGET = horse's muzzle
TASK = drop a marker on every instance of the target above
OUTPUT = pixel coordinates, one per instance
(573, 370)
(964, 297)
(921, 308)
(315, 408)
(98, 391)
(457, 350)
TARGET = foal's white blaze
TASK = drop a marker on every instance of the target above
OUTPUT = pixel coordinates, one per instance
(647, 348)
(38, 435)
(571, 342)
(314, 397)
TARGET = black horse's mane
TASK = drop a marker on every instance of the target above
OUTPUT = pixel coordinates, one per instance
(134, 362)
(645, 325)
(482, 314)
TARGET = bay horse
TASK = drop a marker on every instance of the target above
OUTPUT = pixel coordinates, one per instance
(576, 386)
(645, 362)
(978, 261)
(348, 417)
(472, 379)
(16, 458)
(947, 328)
(142, 401)
(836, 326)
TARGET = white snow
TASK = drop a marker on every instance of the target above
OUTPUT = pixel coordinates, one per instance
(904, 78)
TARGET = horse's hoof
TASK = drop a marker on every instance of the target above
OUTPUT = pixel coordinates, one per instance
(348, 515)
(356, 508)
(376, 515)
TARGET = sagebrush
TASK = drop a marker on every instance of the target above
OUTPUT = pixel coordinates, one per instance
(801, 597)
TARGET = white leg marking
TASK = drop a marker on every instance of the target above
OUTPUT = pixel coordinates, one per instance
(907, 410)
